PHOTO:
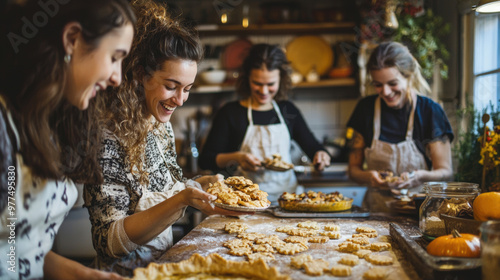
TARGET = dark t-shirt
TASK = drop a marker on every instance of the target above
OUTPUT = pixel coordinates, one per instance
(230, 124)
(430, 122)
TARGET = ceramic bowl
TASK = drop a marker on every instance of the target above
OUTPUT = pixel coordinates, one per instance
(213, 76)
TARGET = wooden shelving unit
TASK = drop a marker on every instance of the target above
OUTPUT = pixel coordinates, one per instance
(284, 28)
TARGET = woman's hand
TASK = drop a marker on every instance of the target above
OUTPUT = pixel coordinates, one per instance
(409, 180)
(248, 161)
(321, 160)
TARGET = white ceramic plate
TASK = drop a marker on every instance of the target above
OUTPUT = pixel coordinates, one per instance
(240, 208)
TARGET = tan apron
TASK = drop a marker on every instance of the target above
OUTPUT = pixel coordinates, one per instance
(263, 141)
(398, 158)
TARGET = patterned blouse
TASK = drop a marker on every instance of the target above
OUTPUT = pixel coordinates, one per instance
(36, 209)
(122, 195)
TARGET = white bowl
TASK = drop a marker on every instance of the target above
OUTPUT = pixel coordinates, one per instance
(213, 76)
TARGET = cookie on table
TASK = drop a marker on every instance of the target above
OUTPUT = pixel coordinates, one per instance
(359, 240)
(341, 270)
(365, 234)
(285, 229)
(362, 253)
(299, 260)
(304, 232)
(240, 251)
(251, 235)
(262, 248)
(350, 260)
(266, 256)
(365, 229)
(380, 246)
(291, 248)
(375, 273)
(316, 267)
(319, 239)
(272, 240)
(331, 234)
(379, 259)
(235, 227)
(296, 239)
(348, 247)
(237, 243)
(331, 227)
(308, 224)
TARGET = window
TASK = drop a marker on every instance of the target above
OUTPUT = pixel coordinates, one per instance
(486, 65)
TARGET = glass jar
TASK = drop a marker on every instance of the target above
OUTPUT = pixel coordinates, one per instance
(449, 198)
(490, 249)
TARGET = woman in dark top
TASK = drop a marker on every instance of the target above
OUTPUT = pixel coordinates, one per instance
(260, 124)
(398, 129)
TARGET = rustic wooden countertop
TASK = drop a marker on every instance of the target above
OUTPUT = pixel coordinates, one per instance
(208, 237)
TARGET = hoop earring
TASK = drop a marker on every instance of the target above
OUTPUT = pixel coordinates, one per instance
(67, 58)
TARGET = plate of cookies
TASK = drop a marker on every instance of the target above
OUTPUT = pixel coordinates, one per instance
(238, 193)
(277, 164)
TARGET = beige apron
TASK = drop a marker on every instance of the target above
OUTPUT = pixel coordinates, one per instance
(263, 141)
(398, 158)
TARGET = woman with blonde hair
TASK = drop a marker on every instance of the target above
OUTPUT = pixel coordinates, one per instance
(398, 129)
(144, 191)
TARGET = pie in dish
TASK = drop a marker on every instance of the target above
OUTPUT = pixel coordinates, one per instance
(239, 193)
(315, 202)
(212, 267)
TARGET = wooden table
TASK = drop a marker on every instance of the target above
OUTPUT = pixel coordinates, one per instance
(208, 237)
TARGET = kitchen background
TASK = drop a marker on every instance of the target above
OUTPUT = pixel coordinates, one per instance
(349, 28)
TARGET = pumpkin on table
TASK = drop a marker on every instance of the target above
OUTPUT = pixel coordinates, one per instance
(455, 245)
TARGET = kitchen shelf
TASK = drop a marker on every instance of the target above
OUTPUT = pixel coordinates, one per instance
(341, 82)
(283, 28)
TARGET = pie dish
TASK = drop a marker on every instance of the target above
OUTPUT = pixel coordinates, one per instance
(210, 267)
(240, 208)
(315, 202)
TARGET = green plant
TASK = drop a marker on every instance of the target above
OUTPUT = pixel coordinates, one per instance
(467, 151)
(422, 35)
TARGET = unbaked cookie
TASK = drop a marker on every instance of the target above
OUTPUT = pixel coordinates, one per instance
(302, 232)
(299, 260)
(366, 234)
(263, 248)
(379, 259)
(380, 246)
(331, 227)
(375, 273)
(291, 248)
(319, 239)
(359, 240)
(235, 227)
(272, 240)
(266, 256)
(308, 224)
(362, 253)
(365, 229)
(316, 267)
(350, 260)
(237, 243)
(331, 234)
(240, 251)
(341, 270)
(296, 239)
(251, 235)
(349, 247)
(285, 229)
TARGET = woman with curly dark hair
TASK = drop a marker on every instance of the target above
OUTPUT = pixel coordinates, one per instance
(144, 191)
(55, 58)
(262, 123)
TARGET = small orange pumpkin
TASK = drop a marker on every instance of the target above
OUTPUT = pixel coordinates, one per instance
(455, 245)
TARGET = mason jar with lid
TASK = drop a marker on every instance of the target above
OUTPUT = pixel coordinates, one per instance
(449, 198)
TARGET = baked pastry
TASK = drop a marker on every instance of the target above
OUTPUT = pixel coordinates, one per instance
(276, 163)
(198, 267)
(315, 202)
(237, 191)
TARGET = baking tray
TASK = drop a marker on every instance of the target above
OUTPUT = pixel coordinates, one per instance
(413, 245)
(354, 212)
